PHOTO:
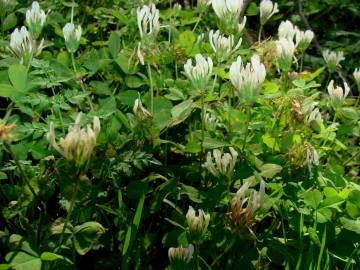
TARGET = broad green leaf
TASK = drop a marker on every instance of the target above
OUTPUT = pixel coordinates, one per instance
(49, 256)
(270, 170)
(128, 97)
(312, 198)
(125, 63)
(6, 90)
(351, 225)
(24, 261)
(18, 76)
(9, 22)
(181, 111)
(134, 81)
(114, 44)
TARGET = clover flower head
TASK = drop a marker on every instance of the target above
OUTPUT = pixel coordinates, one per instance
(267, 10)
(225, 8)
(223, 46)
(35, 19)
(220, 164)
(337, 94)
(285, 49)
(78, 144)
(72, 36)
(312, 156)
(332, 59)
(23, 45)
(148, 21)
(303, 39)
(180, 257)
(245, 202)
(247, 78)
(199, 74)
(287, 30)
(197, 224)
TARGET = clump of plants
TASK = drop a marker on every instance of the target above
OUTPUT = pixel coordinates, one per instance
(175, 135)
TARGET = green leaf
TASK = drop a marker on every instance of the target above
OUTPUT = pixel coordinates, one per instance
(100, 88)
(9, 22)
(128, 97)
(124, 61)
(6, 90)
(18, 76)
(134, 81)
(351, 225)
(181, 111)
(49, 256)
(86, 235)
(270, 170)
(24, 261)
(312, 198)
(114, 44)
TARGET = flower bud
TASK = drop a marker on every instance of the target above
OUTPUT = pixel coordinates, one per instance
(72, 36)
(35, 19)
(267, 10)
(285, 49)
(312, 156)
(228, 12)
(247, 79)
(199, 74)
(180, 257)
(197, 224)
(140, 111)
(357, 77)
(332, 59)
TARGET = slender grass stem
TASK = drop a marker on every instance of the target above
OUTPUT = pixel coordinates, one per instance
(248, 112)
(202, 130)
(218, 258)
(260, 33)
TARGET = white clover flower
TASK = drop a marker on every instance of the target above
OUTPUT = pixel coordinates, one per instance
(247, 79)
(312, 156)
(179, 257)
(23, 45)
(140, 111)
(78, 144)
(223, 46)
(285, 49)
(199, 74)
(303, 39)
(211, 121)
(337, 94)
(267, 10)
(35, 19)
(332, 59)
(314, 115)
(197, 224)
(224, 163)
(148, 21)
(245, 202)
(228, 11)
(72, 36)
(356, 75)
(287, 30)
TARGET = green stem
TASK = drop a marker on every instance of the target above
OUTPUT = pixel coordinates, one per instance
(71, 208)
(151, 89)
(248, 112)
(197, 23)
(202, 130)
(230, 103)
(73, 63)
(21, 169)
(224, 252)
(301, 61)
(260, 33)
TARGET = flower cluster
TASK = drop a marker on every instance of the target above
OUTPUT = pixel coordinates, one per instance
(148, 21)
(199, 74)
(224, 163)
(197, 224)
(267, 10)
(78, 144)
(228, 12)
(72, 36)
(285, 49)
(245, 202)
(337, 94)
(35, 19)
(24, 46)
(312, 156)
(180, 257)
(333, 59)
(247, 79)
(223, 46)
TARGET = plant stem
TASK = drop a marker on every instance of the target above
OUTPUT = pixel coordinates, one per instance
(21, 169)
(151, 89)
(260, 33)
(301, 61)
(202, 130)
(224, 252)
(73, 63)
(71, 208)
(248, 112)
